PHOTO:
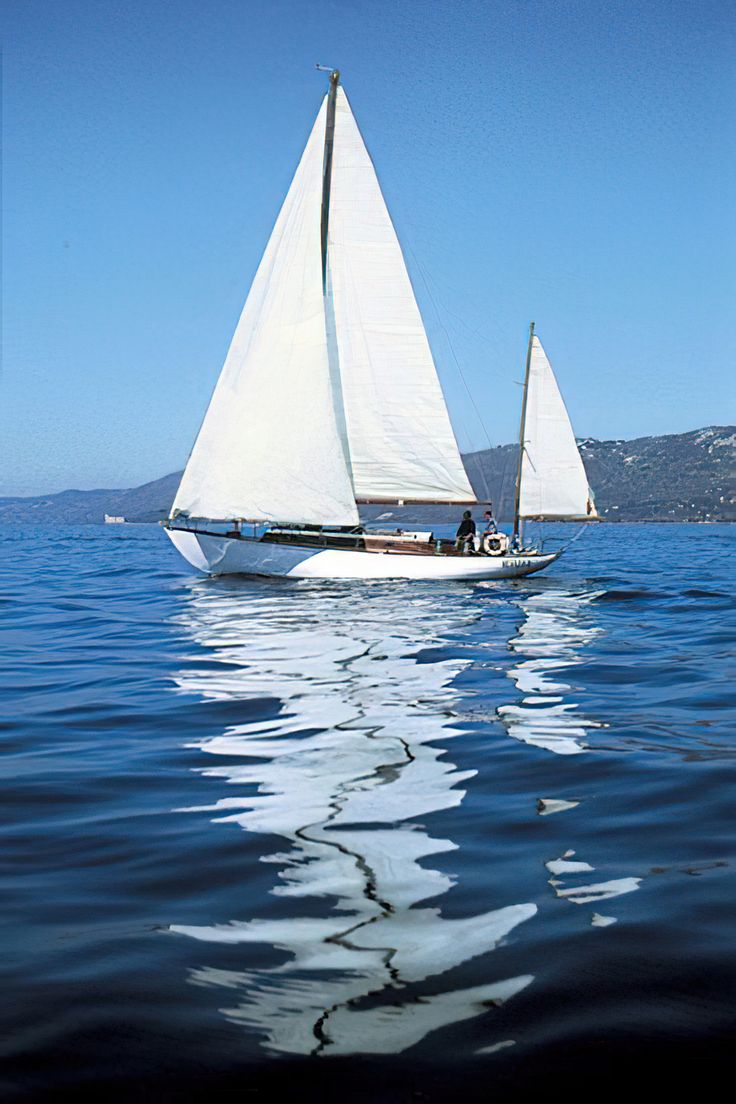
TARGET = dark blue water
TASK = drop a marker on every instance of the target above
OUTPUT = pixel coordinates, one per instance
(375, 841)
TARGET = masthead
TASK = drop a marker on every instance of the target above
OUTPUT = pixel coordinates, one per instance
(334, 73)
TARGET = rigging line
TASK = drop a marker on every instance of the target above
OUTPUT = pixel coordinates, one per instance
(572, 540)
(491, 342)
(484, 337)
(452, 347)
(481, 466)
(504, 472)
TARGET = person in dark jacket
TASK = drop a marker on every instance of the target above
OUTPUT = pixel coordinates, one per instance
(465, 536)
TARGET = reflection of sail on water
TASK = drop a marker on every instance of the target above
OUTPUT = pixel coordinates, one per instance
(557, 625)
(340, 773)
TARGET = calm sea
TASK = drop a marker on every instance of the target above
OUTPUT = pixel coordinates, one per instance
(375, 841)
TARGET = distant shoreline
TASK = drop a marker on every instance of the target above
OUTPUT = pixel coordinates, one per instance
(677, 478)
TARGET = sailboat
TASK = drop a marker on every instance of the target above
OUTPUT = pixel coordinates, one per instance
(329, 398)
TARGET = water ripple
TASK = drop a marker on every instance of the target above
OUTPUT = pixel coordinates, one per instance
(482, 833)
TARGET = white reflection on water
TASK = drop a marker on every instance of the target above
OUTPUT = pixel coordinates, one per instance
(547, 806)
(556, 626)
(341, 771)
(586, 894)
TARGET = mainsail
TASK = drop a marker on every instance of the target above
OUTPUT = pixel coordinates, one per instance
(553, 483)
(269, 446)
(399, 435)
(329, 392)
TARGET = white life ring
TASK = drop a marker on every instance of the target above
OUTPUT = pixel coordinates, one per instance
(495, 544)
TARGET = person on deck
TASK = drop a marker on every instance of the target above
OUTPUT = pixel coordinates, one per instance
(490, 521)
(465, 536)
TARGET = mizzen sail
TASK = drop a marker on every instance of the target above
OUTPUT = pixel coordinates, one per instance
(269, 446)
(399, 435)
(553, 480)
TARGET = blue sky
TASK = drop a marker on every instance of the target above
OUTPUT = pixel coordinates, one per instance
(570, 162)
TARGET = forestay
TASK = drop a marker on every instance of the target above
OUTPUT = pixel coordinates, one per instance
(553, 479)
(269, 447)
(400, 439)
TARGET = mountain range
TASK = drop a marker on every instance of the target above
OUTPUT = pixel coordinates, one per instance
(676, 477)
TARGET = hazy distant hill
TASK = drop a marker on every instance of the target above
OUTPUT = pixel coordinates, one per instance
(147, 503)
(679, 477)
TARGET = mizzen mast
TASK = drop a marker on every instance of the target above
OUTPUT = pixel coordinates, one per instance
(522, 436)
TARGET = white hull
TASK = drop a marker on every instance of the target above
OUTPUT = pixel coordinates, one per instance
(220, 555)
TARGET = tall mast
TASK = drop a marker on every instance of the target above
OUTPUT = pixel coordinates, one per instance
(522, 434)
(327, 166)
